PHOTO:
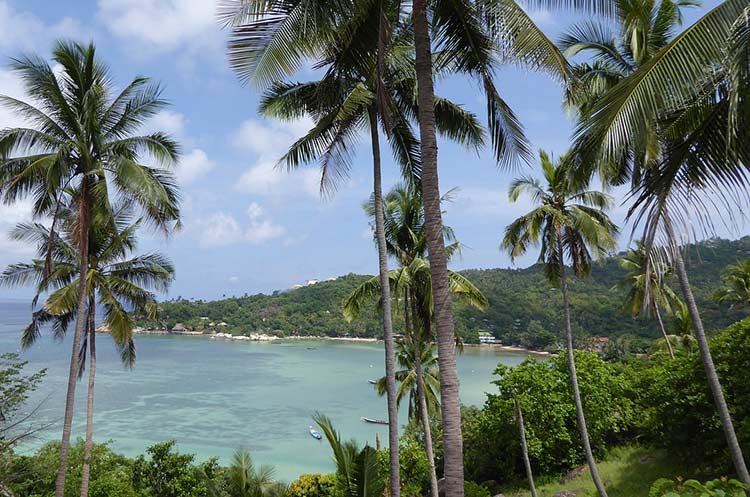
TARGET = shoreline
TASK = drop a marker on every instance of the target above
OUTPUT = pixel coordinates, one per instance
(260, 337)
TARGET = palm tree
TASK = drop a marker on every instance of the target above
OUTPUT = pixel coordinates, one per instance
(358, 92)
(648, 290)
(736, 291)
(81, 140)
(571, 224)
(644, 28)
(121, 285)
(693, 92)
(269, 40)
(409, 385)
(357, 470)
(524, 447)
(243, 479)
(412, 286)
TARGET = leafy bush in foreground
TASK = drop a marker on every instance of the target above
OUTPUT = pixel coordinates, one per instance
(678, 409)
(491, 435)
(694, 488)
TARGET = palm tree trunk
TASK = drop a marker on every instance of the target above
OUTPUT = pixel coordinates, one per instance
(663, 331)
(574, 385)
(86, 468)
(83, 249)
(451, 408)
(424, 414)
(417, 340)
(524, 447)
(410, 298)
(708, 364)
(385, 293)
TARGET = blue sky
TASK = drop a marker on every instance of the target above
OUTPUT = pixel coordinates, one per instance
(248, 227)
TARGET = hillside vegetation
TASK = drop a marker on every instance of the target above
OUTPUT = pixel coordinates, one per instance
(523, 309)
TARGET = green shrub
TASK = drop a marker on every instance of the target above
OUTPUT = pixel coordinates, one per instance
(678, 409)
(472, 489)
(491, 444)
(312, 485)
(693, 488)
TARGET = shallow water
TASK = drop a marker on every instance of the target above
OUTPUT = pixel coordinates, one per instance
(213, 396)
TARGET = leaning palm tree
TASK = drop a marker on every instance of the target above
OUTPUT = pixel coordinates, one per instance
(81, 139)
(121, 285)
(736, 289)
(368, 84)
(571, 224)
(270, 40)
(648, 290)
(694, 93)
(358, 471)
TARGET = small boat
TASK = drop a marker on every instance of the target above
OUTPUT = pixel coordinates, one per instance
(315, 433)
(372, 382)
(312, 348)
(374, 421)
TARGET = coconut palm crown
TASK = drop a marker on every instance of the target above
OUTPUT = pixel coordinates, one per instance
(569, 221)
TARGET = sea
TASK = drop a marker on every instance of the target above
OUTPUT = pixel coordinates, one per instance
(214, 396)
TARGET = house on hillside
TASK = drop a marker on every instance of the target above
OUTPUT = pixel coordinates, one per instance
(486, 338)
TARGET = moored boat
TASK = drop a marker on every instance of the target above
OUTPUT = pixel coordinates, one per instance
(373, 382)
(374, 420)
(315, 433)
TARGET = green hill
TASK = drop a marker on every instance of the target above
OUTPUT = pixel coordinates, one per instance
(523, 310)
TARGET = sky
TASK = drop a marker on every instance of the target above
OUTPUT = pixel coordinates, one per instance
(249, 227)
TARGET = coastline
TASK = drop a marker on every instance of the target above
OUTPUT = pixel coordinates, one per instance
(260, 337)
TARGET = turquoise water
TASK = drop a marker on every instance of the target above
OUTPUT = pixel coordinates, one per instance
(213, 396)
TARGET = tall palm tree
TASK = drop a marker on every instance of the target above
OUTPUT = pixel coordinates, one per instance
(571, 224)
(81, 139)
(270, 39)
(368, 83)
(357, 470)
(736, 290)
(694, 93)
(647, 288)
(121, 285)
(412, 286)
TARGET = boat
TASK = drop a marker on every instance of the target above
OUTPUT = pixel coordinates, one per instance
(374, 421)
(315, 433)
(373, 382)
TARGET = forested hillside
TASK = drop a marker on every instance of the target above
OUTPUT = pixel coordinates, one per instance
(523, 308)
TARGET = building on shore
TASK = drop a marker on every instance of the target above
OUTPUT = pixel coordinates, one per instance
(487, 338)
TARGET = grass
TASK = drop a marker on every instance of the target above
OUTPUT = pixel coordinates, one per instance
(627, 472)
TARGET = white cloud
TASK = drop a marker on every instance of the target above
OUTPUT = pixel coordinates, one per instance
(194, 165)
(162, 25)
(21, 30)
(221, 228)
(269, 140)
(10, 85)
(234, 279)
(10, 215)
(169, 122)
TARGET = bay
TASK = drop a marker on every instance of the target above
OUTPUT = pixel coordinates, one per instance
(213, 396)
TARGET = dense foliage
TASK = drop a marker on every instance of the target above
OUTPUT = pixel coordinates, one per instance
(523, 309)
(678, 411)
(651, 400)
(543, 389)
